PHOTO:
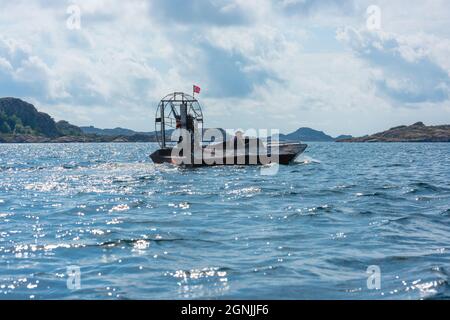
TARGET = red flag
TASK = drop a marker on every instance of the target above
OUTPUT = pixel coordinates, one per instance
(196, 89)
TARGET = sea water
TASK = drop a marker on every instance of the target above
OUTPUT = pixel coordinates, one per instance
(101, 221)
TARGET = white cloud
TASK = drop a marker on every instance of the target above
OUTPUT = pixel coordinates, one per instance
(406, 69)
(262, 63)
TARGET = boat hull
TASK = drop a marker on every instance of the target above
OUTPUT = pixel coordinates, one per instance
(285, 154)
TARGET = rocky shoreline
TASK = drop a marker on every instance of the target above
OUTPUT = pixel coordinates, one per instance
(21, 122)
(417, 132)
(23, 138)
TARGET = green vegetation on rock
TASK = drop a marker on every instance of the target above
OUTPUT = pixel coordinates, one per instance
(20, 117)
(13, 125)
(21, 122)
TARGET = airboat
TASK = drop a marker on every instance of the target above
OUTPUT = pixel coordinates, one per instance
(184, 141)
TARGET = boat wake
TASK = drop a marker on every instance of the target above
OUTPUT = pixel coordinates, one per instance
(306, 160)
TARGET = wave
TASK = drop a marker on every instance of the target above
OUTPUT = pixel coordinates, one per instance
(311, 211)
(303, 159)
(134, 242)
(424, 186)
(378, 194)
(391, 165)
(140, 243)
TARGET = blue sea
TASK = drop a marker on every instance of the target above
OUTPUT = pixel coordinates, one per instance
(101, 221)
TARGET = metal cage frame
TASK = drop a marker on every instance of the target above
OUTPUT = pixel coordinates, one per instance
(164, 119)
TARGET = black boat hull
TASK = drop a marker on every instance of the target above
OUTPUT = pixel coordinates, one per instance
(286, 154)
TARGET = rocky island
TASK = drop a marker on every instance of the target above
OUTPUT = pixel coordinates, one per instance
(21, 122)
(418, 132)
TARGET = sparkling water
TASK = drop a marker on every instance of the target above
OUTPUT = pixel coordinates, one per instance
(101, 221)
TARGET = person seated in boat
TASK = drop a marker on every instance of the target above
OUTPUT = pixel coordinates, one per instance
(238, 135)
(178, 126)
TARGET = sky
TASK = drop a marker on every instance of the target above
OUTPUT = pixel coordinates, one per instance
(341, 66)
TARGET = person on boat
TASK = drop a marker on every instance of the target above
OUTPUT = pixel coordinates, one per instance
(189, 126)
(238, 135)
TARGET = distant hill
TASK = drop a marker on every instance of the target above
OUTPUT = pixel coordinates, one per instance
(67, 129)
(113, 132)
(343, 136)
(306, 134)
(310, 135)
(417, 132)
(129, 133)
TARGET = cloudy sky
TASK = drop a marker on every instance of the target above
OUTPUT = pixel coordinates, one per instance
(260, 63)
